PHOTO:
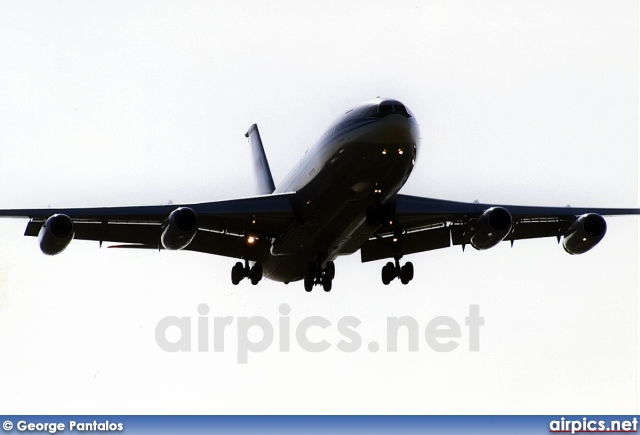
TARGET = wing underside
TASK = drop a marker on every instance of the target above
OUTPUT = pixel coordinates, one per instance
(245, 228)
(423, 224)
(222, 229)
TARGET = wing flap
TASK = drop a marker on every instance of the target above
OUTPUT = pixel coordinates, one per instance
(230, 246)
(120, 232)
(410, 243)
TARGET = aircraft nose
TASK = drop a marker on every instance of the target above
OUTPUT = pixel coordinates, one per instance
(395, 125)
(395, 128)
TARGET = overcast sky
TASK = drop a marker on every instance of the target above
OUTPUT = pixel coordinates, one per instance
(128, 103)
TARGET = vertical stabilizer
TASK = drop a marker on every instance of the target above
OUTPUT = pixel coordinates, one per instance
(260, 163)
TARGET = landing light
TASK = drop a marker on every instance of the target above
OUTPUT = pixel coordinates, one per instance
(400, 151)
(251, 240)
(384, 152)
(395, 239)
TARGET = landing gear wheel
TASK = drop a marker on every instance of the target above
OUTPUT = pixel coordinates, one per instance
(237, 273)
(308, 283)
(255, 273)
(388, 273)
(406, 273)
(330, 270)
(240, 271)
(391, 271)
(318, 275)
(409, 267)
(310, 277)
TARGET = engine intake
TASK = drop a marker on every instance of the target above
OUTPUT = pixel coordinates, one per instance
(585, 233)
(56, 234)
(493, 226)
(179, 228)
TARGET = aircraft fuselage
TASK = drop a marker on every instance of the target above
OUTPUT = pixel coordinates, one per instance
(362, 160)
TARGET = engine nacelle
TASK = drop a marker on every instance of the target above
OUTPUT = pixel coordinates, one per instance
(179, 228)
(56, 234)
(585, 233)
(493, 226)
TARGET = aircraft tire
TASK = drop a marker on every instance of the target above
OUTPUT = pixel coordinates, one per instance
(256, 273)
(406, 273)
(330, 270)
(388, 273)
(308, 283)
(237, 273)
(409, 266)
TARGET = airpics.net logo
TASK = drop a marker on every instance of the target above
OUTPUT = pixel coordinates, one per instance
(313, 334)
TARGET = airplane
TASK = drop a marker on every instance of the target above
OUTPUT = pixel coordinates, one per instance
(342, 197)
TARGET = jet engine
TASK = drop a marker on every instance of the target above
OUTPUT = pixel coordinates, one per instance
(493, 226)
(179, 229)
(584, 233)
(56, 234)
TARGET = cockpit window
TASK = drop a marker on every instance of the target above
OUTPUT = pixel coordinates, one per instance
(386, 108)
(399, 108)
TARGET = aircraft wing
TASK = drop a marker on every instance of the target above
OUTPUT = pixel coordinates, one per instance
(222, 226)
(423, 224)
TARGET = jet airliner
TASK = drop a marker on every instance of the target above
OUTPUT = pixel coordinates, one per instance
(342, 197)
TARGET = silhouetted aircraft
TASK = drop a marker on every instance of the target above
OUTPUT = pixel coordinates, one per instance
(342, 197)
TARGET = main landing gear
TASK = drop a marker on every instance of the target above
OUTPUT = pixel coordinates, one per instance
(317, 275)
(393, 270)
(240, 271)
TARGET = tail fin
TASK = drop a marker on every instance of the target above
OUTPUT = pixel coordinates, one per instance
(260, 163)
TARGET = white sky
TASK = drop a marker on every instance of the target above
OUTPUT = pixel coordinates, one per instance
(122, 103)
